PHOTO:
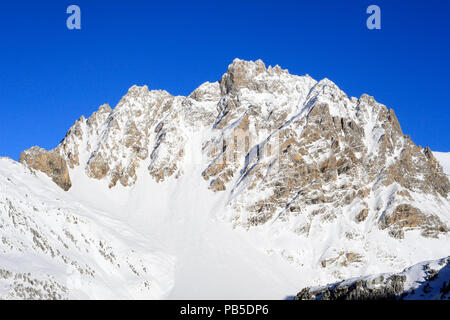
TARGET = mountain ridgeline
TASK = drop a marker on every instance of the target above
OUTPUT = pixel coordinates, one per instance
(329, 155)
(331, 181)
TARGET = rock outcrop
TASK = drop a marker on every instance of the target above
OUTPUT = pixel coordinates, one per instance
(49, 162)
(425, 281)
(379, 288)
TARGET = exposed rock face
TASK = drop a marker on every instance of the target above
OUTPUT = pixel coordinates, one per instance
(49, 162)
(144, 129)
(427, 280)
(390, 289)
(406, 216)
(316, 154)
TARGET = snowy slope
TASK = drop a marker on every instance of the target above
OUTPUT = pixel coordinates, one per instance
(181, 217)
(169, 251)
(444, 160)
(55, 247)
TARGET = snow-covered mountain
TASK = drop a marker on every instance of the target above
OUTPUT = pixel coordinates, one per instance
(251, 187)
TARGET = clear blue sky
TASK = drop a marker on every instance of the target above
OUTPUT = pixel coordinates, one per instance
(50, 75)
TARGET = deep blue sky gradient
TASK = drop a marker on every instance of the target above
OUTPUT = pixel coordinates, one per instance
(50, 76)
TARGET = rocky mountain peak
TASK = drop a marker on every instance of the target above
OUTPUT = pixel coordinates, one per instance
(241, 73)
(207, 92)
(315, 153)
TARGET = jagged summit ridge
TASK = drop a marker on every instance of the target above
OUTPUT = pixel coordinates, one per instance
(259, 104)
(289, 154)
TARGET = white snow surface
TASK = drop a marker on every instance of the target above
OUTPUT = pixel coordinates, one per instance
(176, 237)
